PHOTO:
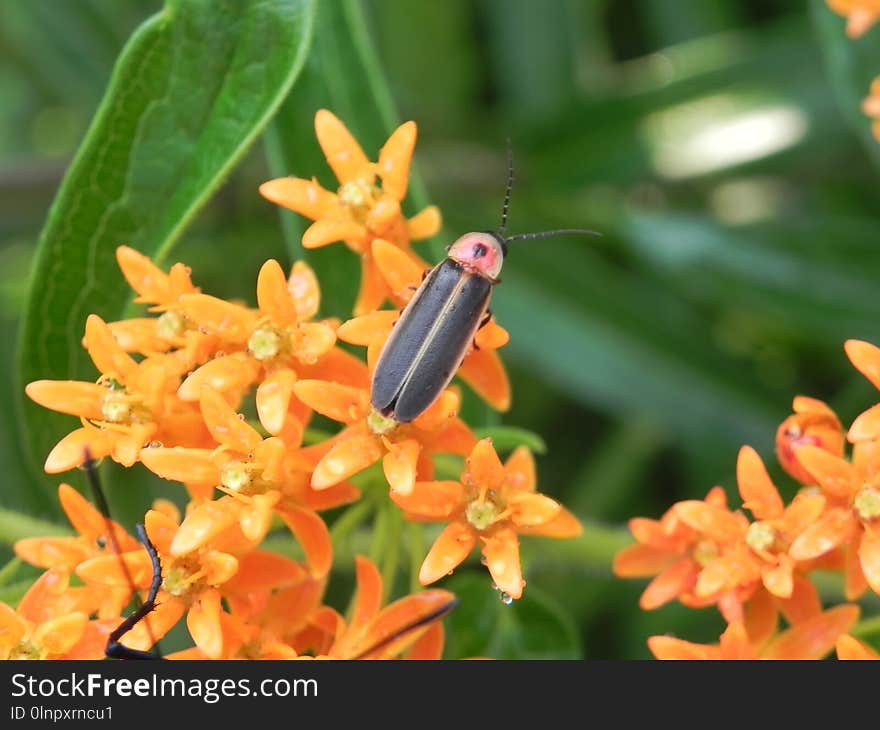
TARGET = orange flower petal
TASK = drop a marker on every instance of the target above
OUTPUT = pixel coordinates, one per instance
(306, 197)
(715, 522)
(313, 340)
(502, 558)
(866, 426)
(779, 580)
(330, 230)
(156, 624)
(670, 648)
(343, 153)
(312, 534)
(118, 570)
(429, 646)
(425, 223)
(641, 561)
(759, 494)
(69, 396)
(761, 618)
(71, 450)
(848, 647)
(233, 373)
(735, 644)
(58, 635)
(225, 425)
(373, 289)
(51, 552)
(203, 622)
(519, 470)
(430, 500)
(273, 297)
(399, 465)
(108, 356)
(394, 160)
(804, 602)
(232, 322)
(564, 525)
(190, 466)
(138, 335)
(483, 467)
(866, 359)
(161, 527)
(530, 509)
(671, 583)
(869, 557)
(491, 336)
(834, 528)
(402, 272)
(342, 403)
(88, 521)
(368, 598)
(367, 328)
(450, 548)
(338, 366)
(391, 632)
(273, 399)
(815, 637)
(484, 371)
(834, 474)
(303, 287)
(262, 570)
(384, 213)
(147, 279)
(203, 522)
(854, 582)
(803, 511)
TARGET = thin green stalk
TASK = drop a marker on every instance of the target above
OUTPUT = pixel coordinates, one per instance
(415, 543)
(391, 557)
(866, 627)
(350, 520)
(16, 526)
(8, 570)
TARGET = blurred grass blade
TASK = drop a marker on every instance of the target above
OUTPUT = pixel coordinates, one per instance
(342, 74)
(190, 92)
(852, 64)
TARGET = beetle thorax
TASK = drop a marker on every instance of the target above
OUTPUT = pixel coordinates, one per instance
(481, 253)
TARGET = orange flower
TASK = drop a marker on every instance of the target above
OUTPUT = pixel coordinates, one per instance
(675, 549)
(52, 622)
(777, 526)
(368, 437)
(207, 557)
(853, 515)
(130, 405)
(811, 639)
(361, 210)
(171, 330)
(481, 368)
(871, 104)
(814, 423)
(866, 358)
(265, 345)
(860, 14)
(492, 505)
(848, 647)
(97, 536)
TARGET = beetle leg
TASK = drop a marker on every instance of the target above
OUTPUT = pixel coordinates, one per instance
(486, 317)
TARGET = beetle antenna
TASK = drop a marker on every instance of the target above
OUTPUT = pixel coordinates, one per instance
(412, 626)
(548, 234)
(506, 206)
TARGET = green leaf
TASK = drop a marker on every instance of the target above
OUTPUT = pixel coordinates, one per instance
(342, 74)
(16, 526)
(507, 438)
(852, 64)
(190, 92)
(482, 625)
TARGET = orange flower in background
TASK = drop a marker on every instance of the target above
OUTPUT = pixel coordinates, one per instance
(132, 404)
(811, 639)
(813, 423)
(481, 368)
(848, 647)
(866, 359)
(871, 106)
(362, 209)
(52, 622)
(491, 506)
(860, 14)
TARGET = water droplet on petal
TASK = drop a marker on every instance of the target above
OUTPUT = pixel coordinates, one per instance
(506, 598)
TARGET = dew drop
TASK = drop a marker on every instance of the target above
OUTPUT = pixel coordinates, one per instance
(506, 598)
(241, 416)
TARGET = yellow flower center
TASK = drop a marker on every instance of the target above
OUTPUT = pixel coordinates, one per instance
(116, 407)
(235, 476)
(481, 514)
(867, 503)
(26, 650)
(179, 579)
(379, 424)
(705, 552)
(357, 195)
(264, 343)
(760, 536)
(170, 325)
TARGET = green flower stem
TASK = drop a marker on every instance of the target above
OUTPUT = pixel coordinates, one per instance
(380, 533)
(16, 526)
(13, 593)
(8, 570)
(391, 558)
(350, 520)
(415, 543)
(866, 627)
(595, 547)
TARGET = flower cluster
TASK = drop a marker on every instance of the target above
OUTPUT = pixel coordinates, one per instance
(218, 396)
(755, 568)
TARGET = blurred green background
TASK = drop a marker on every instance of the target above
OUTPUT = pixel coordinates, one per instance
(716, 144)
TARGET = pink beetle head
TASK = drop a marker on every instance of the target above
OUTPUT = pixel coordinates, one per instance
(482, 253)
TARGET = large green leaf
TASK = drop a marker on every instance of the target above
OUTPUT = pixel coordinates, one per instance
(192, 89)
(342, 74)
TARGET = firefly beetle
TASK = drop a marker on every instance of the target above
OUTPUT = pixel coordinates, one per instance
(435, 329)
